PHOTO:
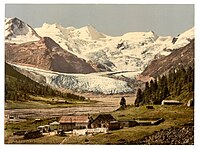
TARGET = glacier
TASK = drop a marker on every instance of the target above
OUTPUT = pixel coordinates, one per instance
(93, 82)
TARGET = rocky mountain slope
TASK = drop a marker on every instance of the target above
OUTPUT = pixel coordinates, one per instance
(183, 56)
(45, 54)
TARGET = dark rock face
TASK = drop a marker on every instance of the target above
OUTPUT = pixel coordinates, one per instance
(171, 136)
(46, 54)
(180, 57)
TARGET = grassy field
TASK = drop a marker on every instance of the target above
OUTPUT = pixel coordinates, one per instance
(173, 115)
(46, 102)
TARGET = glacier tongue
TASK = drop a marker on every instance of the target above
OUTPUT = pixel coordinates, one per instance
(95, 83)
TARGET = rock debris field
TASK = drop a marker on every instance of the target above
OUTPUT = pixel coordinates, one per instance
(171, 136)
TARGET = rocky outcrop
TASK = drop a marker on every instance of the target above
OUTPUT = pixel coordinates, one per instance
(171, 136)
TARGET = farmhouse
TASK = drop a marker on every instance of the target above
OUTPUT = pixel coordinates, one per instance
(102, 121)
(68, 123)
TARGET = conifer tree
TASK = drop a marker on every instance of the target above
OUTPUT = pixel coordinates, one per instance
(139, 97)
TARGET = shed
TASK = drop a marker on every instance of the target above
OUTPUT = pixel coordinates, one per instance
(54, 125)
(171, 102)
(102, 121)
(114, 125)
(68, 123)
(128, 123)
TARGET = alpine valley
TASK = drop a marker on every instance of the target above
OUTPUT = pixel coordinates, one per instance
(87, 61)
(81, 86)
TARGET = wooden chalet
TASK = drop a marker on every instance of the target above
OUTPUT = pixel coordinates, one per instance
(102, 121)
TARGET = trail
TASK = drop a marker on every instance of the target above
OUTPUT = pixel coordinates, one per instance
(63, 141)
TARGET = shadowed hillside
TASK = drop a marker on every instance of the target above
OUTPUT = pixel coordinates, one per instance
(20, 87)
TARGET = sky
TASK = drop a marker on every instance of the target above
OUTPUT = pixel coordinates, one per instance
(111, 19)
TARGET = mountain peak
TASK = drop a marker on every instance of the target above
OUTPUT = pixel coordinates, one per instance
(90, 26)
(91, 32)
(19, 32)
(54, 25)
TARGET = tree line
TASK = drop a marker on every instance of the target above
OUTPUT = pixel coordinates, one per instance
(179, 81)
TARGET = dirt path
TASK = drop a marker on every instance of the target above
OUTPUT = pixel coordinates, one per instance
(62, 142)
(104, 104)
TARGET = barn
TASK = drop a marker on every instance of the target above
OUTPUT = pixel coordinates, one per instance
(102, 121)
(68, 123)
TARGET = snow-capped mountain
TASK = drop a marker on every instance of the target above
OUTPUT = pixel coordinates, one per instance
(46, 54)
(131, 51)
(16, 31)
(85, 50)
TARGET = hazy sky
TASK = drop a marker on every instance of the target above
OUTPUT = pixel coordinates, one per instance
(110, 19)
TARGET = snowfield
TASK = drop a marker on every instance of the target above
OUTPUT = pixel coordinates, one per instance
(77, 82)
(132, 51)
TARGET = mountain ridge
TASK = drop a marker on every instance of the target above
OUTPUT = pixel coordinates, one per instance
(131, 51)
(180, 57)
